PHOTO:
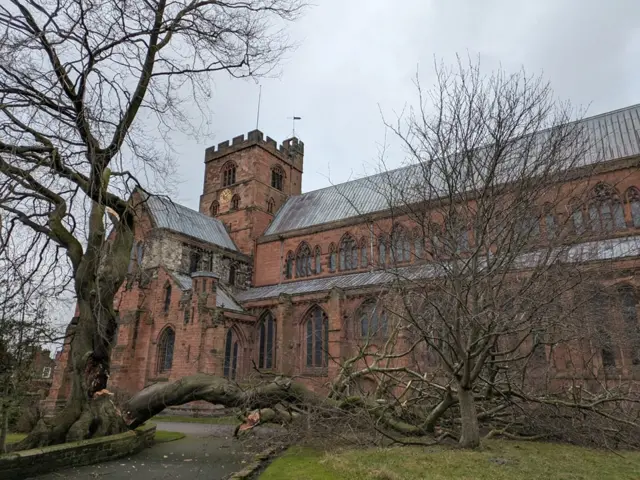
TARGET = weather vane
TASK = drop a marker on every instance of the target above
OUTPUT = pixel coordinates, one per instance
(293, 123)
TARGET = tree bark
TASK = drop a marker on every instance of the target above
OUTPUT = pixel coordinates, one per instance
(89, 411)
(4, 423)
(220, 391)
(470, 431)
(438, 411)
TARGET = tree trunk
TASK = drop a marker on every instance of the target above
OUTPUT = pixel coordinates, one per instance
(219, 391)
(470, 431)
(4, 424)
(89, 411)
(437, 412)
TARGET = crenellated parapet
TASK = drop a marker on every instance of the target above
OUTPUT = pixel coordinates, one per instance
(291, 150)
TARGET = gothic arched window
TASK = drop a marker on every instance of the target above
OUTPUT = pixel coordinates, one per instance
(232, 275)
(400, 247)
(348, 253)
(627, 297)
(215, 208)
(228, 174)
(418, 244)
(550, 222)
(318, 265)
(303, 261)
(600, 307)
(382, 250)
(316, 328)
(235, 202)
(230, 367)
(364, 252)
(436, 238)
(167, 298)
(577, 221)
(633, 199)
(288, 268)
(462, 242)
(165, 349)
(333, 258)
(271, 205)
(277, 177)
(267, 342)
(605, 210)
(372, 320)
(195, 258)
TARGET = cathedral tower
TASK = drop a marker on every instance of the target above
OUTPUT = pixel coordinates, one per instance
(247, 181)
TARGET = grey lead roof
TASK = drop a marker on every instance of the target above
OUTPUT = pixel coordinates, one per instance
(223, 298)
(181, 219)
(353, 280)
(615, 134)
(610, 249)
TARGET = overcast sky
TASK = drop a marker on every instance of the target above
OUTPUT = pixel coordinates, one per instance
(356, 56)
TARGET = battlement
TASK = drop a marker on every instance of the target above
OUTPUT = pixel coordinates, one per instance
(290, 150)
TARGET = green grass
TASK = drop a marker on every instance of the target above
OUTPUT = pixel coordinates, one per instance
(161, 436)
(229, 420)
(15, 437)
(496, 460)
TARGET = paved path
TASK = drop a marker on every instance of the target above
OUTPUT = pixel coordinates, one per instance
(205, 430)
(208, 453)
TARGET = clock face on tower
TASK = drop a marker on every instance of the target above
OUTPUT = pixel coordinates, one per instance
(225, 196)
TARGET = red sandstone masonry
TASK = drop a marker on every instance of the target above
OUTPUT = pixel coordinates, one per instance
(254, 158)
(200, 345)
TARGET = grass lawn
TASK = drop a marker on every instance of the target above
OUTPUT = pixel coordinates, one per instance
(496, 460)
(160, 436)
(15, 437)
(229, 420)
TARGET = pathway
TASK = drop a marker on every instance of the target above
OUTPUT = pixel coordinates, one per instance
(208, 452)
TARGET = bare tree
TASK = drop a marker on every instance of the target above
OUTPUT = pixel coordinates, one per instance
(24, 330)
(496, 167)
(78, 81)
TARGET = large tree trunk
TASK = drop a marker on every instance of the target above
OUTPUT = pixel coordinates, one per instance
(89, 410)
(152, 400)
(470, 431)
(98, 273)
(4, 424)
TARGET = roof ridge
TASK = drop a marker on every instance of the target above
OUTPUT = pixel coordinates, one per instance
(610, 112)
(586, 119)
(176, 217)
(163, 199)
(318, 207)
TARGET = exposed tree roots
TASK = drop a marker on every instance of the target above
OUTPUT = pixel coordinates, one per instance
(97, 417)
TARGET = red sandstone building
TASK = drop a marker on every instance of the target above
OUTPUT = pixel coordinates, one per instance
(263, 276)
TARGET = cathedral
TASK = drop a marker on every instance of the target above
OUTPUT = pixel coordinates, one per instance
(263, 277)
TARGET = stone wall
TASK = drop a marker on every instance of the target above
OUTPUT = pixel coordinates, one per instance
(25, 463)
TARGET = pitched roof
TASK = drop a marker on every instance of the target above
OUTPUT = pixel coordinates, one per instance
(610, 249)
(223, 298)
(180, 219)
(615, 134)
